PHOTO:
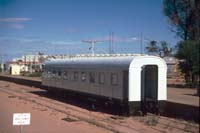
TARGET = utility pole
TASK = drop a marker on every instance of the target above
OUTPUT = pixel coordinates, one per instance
(30, 60)
(110, 37)
(141, 41)
(111, 51)
(2, 62)
(92, 42)
(31, 66)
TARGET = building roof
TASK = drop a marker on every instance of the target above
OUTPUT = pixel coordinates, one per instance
(171, 60)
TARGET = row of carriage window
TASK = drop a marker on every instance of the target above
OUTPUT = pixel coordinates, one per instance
(83, 76)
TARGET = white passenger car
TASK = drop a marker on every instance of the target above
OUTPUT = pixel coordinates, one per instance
(139, 82)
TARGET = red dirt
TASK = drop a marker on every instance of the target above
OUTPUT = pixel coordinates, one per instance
(48, 120)
(42, 120)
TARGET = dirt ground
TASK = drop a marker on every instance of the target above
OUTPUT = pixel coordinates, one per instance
(50, 115)
(183, 95)
(177, 92)
(42, 120)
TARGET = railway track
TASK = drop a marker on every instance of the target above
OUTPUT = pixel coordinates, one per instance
(109, 122)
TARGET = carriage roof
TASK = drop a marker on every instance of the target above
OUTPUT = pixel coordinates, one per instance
(120, 62)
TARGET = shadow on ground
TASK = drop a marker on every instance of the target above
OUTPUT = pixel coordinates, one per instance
(82, 102)
(182, 111)
(173, 110)
(177, 85)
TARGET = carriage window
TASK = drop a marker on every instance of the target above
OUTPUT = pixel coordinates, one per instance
(59, 74)
(53, 74)
(92, 77)
(114, 79)
(44, 74)
(48, 74)
(83, 76)
(101, 78)
(65, 75)
(75, 76)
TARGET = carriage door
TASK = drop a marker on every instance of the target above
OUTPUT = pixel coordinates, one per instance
(149, 88)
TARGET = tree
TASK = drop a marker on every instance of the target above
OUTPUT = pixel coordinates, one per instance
(152, 48)
(184, 17)
(188, 51)
(164, 49)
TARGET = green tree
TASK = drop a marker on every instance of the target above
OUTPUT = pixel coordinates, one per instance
(152, 48)
(188, 51)
(183, 15)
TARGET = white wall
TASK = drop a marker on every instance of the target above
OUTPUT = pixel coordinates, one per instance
(135, 76)
(15, 70)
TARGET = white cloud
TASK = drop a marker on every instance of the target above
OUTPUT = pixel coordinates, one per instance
(72, 30)
(118, 39)
(16, 26)
(12, 20)
(13, 23)
(64, 42)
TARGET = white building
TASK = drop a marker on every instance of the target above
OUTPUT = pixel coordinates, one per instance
(15, 69)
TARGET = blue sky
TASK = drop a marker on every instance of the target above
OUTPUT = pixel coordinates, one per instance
(58, 26)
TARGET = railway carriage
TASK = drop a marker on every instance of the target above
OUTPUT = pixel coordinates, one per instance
(138, 82)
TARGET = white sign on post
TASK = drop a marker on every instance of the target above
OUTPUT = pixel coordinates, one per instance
(21, 118)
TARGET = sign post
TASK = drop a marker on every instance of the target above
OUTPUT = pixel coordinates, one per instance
(20, 119)
(20, 128)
